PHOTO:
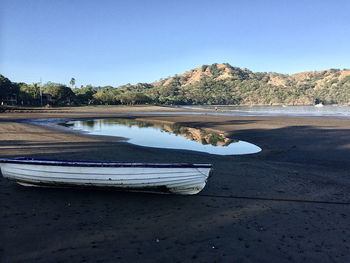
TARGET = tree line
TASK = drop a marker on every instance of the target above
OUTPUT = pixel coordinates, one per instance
(57, 94)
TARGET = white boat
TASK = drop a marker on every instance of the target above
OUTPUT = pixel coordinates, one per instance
(179, 178)
(319, 105)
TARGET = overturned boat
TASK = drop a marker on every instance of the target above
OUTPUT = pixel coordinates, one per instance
(179, 178)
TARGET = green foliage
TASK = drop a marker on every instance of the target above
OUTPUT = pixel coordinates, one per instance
(85, 95)
(61, 95)
(107, 96)
(7, 88)
(29, 94)
(72, 82)
(131, 98)
(215, 70)
(204, 68)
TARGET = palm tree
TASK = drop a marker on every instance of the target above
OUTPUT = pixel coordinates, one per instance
(72, 82)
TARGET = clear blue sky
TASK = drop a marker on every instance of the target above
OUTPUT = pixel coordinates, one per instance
(118, 42)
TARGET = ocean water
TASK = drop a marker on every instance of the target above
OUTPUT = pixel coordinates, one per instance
(336, 111)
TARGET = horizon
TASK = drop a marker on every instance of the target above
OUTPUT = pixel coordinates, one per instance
(117, 43)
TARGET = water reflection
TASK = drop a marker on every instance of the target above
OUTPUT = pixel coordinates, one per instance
(165, 135)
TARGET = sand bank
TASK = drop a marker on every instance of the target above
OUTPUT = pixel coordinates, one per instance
(291, 201)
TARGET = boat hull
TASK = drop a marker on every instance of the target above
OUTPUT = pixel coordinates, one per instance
(184, 179)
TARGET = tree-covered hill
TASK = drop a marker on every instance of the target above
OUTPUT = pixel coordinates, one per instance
(224, 84)
(214, 84)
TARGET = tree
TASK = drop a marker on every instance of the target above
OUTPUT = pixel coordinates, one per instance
(72, 82)
(107, 95)
(134, 98)
(7, 88)
(61, 94)
(29, 94)
(84, 95)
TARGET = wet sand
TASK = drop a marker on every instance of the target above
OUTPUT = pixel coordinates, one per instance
(289, 203)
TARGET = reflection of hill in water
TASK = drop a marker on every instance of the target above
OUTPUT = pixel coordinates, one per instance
(194, 134)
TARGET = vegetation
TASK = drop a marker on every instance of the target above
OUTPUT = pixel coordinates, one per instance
(214, 84)
(72, 82)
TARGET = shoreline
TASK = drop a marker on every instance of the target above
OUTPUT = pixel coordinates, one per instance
(306, 111)
(249, 209)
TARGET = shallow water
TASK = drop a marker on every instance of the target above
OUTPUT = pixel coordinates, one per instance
(160, 135)
(337, 111)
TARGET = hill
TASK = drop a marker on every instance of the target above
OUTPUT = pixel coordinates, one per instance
(224, 84)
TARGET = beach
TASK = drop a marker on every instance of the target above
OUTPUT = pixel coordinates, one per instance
(288, 203)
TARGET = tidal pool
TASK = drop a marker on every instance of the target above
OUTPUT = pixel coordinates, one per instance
(165, 135)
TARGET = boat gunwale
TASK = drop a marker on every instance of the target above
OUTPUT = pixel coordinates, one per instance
(106, 164)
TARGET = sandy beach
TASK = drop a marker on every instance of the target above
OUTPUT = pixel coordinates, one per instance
(288, 203)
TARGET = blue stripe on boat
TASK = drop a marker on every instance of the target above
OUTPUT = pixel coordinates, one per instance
(51, 162)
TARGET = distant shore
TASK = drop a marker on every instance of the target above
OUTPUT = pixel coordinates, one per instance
(291, 201)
